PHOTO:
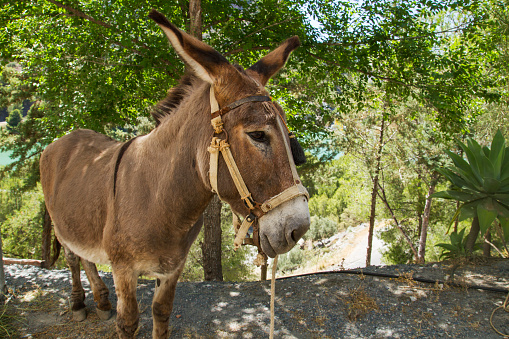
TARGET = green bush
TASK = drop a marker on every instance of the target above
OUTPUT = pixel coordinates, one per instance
(21, 217)
(13, 120)
(291, 260)
(397, 250)
(321, 228)
(456, 247)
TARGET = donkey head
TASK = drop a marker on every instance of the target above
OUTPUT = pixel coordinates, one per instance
(258, 139)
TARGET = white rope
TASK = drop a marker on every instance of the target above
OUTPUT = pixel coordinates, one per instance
(272, 296)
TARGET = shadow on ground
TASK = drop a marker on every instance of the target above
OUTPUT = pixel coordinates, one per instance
(323, 305)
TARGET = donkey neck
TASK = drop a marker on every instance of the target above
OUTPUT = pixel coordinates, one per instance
(178, 150)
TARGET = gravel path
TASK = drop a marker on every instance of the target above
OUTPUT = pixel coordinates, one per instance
(322, 305)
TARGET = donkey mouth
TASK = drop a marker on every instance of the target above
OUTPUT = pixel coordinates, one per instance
(281, 245)
(280, 229)
(267, 247)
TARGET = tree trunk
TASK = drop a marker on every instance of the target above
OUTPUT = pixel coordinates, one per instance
(374, 194)
(46, 240)
(472, 237)
(195, 22)
(211, 246)
(425, 220)
(3, 288)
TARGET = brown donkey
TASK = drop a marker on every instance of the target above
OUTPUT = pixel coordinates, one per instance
(137, 205)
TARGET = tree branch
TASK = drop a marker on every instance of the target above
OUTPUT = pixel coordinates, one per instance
(255, 32)
(87, 17)
(431, 34)
(240, 50)
(81, 14)
(371, 74)
(405, 235)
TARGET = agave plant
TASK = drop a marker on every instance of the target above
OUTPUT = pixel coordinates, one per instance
(481, 184)
(457, 246)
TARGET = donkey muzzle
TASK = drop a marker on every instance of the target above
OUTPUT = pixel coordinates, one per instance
(282, 227)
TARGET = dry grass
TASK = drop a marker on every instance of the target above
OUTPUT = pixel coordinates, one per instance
(406, 278)
(359, 303)
(9, 321)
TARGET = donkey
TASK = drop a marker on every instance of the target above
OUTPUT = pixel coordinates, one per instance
(136, 206)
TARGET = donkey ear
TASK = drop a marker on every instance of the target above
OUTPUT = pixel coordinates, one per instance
(267, 66)
(205, 61)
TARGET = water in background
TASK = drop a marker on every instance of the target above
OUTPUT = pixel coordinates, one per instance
(5, 159)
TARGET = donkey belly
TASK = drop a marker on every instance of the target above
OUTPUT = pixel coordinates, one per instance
(76, 176)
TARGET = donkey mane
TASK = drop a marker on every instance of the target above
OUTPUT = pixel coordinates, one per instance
(174, 98)
(176, 95)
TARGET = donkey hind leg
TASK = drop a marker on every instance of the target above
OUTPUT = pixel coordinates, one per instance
(99, 290)
(162, 305)
(126, 281)
(79, 312)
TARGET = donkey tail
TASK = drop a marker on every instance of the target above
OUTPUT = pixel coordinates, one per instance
(46, 242)
(56, 251)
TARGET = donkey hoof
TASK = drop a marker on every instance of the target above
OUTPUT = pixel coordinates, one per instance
(79, 315)
(103, 315)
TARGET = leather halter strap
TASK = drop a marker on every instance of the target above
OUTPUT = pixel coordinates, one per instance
(226, 109)
(222, 146)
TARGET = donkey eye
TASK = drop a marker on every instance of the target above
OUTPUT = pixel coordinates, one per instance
(258, 136)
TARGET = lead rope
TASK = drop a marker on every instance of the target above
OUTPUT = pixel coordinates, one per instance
(272, 296)
(505, 307)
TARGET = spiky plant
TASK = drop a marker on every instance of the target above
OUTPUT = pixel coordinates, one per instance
(481, 184)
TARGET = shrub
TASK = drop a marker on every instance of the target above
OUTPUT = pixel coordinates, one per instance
(21, 230)
(13, 120)
(321, 228)
(291, 260)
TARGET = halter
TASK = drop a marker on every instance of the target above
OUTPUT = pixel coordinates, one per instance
(221, 145)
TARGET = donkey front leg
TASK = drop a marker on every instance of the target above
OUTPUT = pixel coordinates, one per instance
(162, 305)
(99, 289)
(79, 312)
(126, 281)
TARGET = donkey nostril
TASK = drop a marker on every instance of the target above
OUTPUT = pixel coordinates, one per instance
(298, 233)
(294, 237)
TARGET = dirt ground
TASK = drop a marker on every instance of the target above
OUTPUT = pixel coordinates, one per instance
(457, 303)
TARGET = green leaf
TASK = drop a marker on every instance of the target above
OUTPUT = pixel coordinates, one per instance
(470, 179)
(487, 214)
(447, 246)
(459, 161)
(472, 160)
(464, 169)
(486, 151)
(502, 197)
(453, 177)
(497, 153)
(491, 185)
(501, 208)
(488, 170)
(504, 174)
(467, 213)
(456, 195)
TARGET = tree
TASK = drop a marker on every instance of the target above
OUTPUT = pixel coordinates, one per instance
(85, 66)
(107, 87)
(13, 120)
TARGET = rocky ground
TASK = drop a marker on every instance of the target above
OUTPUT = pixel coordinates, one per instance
(376, 302)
